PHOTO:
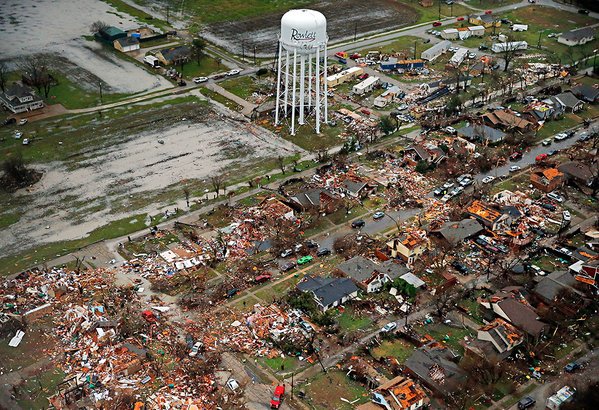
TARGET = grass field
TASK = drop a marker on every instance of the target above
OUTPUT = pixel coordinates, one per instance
(70, 95)
(326, 390)
(399, 349)
(349, 321)
(207, 66)
(490, 4)
(126, 8)
(404, 44)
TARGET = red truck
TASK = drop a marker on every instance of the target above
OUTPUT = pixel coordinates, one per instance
(277, 397)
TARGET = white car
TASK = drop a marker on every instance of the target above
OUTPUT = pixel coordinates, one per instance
(488, 179)
(561, 136)
(233, 72)
(446, 198)
(23, 121)
(538, 271)
(198, 80)
(450, 130)
(26, 141)
(566, 215)
(389, 327)
(565, 251)
(471, 55)
(555, 197)
(515, 168)
(18, 134)
(195, 349)
(448, 185)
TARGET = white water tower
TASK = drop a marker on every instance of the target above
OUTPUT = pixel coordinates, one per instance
(301, 77)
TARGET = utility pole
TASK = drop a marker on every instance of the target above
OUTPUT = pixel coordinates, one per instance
(101, 97)
(243, 50)
(539, 42)
(415, 44)
(254, 55)
(595, 60)
(439, 10)
(292, 384)
(167, 13)
(355, 31)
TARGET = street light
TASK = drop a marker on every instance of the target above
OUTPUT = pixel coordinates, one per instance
(595, 60)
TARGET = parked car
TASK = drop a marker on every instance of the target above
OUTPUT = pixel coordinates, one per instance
(439, 191)
(195, 349)
(358, 224)
(365, 111)
(23, 121)
(483, 47)
(378, 215)
(262, 278)
(584, 137)
(26, 141)
(516, 156)
(526, 402)
(198, 80)
(18, 134)
(561, 136)
(571, 367)
(364, 76)
(448, 185)
(460, 267)
(488, 179)
(304, 259)
(286, 267)
(515, 168)
(471, 55)
(555, 197)
(310, 244)
(537, 271)
(583, 11)
(546, 142)
(565, 251)
(233, 72)
(466, 182)
(403, 107)
(232, 292)
(277, 397)
(389, 327)
(436, 24)
(566, 215)
(450, 130)
(460, 18)
(286, 253)
(541, 157)
(549, 207)
(323, 252)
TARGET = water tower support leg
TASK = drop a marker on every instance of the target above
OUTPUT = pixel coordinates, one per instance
(277, 108)
(293, 103)
(286, 106)
(302, 79)
(326, 90)
(317, 85)
(310, 82)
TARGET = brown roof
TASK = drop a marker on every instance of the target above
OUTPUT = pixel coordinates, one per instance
(507, 118)
(576, 169)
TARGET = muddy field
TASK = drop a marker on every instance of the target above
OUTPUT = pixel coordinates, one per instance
(344, 17)
(132, 165)
(57, 27)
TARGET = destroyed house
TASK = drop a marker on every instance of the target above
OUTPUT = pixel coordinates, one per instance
(318, 198)
(586, 92)
(510, 304)
(421, 153)
(399, 393)
(548, 289)
(547, 180)
(507, 120)
(329, 292)
(368, 275)
(501, 334)
(455, 232)
(173, 55)
(274, 208)
(409, 246)
(488, 217)
(435, 366)
(357, 189)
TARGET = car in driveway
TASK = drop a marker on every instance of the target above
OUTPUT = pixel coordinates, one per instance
(546, 142)
(448, 185)
(565, 251)
(555, 197)
(262, 278)
(277, 397)
(364, 76)
(526, 403)
(286, 267)
(566, 215)
(195, 349)
(549, 207)
(286, 253)
(305, 259)
(23, 121)
(450, 130)
(358, 224)
(460, 267)
(488, 179)
(537, 271)
(199, 80)
(378, 215)
(515, 168)
(323, 252)
(389, 327)
(583, 11)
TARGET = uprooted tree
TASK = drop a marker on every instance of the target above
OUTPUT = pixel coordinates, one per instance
(97, 26)
(16, 175)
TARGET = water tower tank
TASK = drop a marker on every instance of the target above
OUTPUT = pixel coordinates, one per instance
(303, 30)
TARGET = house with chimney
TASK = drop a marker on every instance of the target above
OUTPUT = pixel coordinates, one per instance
(371, 276)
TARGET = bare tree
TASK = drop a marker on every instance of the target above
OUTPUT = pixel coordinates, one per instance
(3, 75)
(509, 53)
(37, 75)
(186, 193)
(218, 182)
(97, 26)
(281, 163)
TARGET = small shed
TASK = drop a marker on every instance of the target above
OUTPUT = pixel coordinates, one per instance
(126, 44)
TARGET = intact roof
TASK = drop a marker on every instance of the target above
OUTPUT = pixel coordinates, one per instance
(175, 53)
(456, 231)
(420, 151)
(576, 169)
(413, 280)
(507, 118)
(112, 31)
(487, 18)
(358, 268)
(127, 41)
(482, 131)
(19, 90)
(586, 91)
(327, 290)
(578, 34)
(522, 316)
(354, 186)
(567, 99)
(549, 287)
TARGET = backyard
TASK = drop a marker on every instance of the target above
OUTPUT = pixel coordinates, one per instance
(325, 391)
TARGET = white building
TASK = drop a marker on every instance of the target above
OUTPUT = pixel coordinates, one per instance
(366, 86)
(435, 51)
(344, 76)
(477, 31)
(520, 27)
(449, 34)
(577, 37)
(510, 46)
(458, 57)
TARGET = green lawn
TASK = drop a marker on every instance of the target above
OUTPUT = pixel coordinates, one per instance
(70, 95)
(399, 349)
(140, 15)
(553, 127)
(8, 218)
(450, 336)
(288, 363)
(207, 66)
(341, 217)
(241, 86)
(349, 321)
(36, 390)
(404, 44)
(490, 4)
(325, 391)
(306, 138)
(223, 100)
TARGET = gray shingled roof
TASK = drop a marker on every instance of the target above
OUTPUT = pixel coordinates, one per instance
(456, 231)
(328, 290)
(578, 34)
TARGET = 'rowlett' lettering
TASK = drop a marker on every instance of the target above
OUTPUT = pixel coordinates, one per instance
(305, 36)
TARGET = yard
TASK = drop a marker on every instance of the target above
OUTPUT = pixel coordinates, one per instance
(450, 336)
(325, 391)
(404, 44)
(350, 321)
(207, 65)
(398, 349)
